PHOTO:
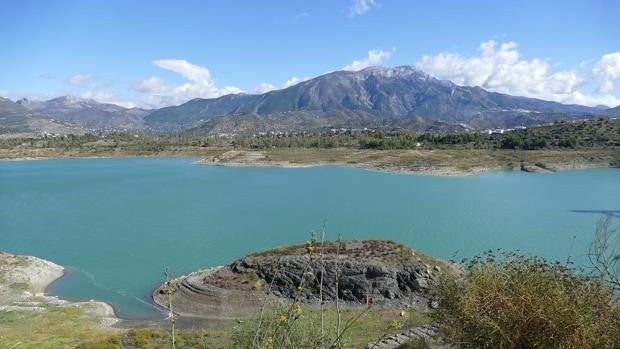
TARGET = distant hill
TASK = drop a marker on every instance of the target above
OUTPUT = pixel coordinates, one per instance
(401, 96)
(88, 113)
(17, 119)
(612, 111)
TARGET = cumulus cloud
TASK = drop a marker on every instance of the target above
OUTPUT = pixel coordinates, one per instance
(500, 68)
(374, 57)
(151, 85)
(5, 93)
(608, 70)
(360, 7)
(200, 84)
(79, 79)
(107, 97)
(264, 87)
(295, 80)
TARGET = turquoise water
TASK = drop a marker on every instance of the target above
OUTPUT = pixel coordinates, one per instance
(116, 223)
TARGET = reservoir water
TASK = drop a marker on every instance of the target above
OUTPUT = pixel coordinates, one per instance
(116, 223)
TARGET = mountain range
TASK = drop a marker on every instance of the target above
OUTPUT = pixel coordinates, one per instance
(87, 113)
(399, 97)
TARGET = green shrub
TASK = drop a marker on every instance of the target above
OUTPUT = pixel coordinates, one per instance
(513, 301)
(20, 286)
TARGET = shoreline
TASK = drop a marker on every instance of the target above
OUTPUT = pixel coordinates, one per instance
(435, 162)
(261, 159)
(24, 285)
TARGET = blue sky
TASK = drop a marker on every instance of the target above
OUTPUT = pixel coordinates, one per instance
(154, 53)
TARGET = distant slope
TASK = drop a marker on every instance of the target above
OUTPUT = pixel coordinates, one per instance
(195, 112)
(88, 113)
(612, 111)
(368, 97)
(16, 119)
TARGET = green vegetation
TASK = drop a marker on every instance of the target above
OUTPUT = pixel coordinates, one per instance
(594, 143)
(291, 326)
(20, 286)
(601, 133)
(51, 328)
(514, 301)
(157, 338)
(389, 252)
(69, 328)
(594, 133)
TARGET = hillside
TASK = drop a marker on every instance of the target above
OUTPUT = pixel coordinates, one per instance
(371, 97)
(87, 113)
(15, 119)
(612, 111)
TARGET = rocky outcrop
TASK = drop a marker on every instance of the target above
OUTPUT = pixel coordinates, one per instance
(355, 272)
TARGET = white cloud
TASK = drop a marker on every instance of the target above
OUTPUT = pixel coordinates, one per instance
(200, 85)
(374, 58)
(151, 85)
(360, 7)
(294, 81)
(106, 97)
(79, 79)
(608, 70)
(5, 93)
(499, 68)
(264, 87)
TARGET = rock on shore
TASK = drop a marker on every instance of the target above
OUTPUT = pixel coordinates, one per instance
(382, 272)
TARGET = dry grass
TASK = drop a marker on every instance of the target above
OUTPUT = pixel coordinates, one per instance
(513, 301)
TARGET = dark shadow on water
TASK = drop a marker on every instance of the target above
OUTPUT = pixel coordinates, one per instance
(613, 213)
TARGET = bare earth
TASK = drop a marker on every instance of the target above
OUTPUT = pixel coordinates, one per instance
(23, 281)
(445, 162)
(437, 162)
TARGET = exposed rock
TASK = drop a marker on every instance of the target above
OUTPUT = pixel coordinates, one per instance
(382, 272)
(428, 333)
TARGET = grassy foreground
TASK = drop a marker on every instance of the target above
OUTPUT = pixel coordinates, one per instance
(71, 328)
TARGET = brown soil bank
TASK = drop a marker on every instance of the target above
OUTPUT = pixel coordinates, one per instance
(385, 273)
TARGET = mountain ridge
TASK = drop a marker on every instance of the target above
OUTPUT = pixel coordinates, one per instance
(17, 119)
(397, 94)
(88, 113)
(376, 97)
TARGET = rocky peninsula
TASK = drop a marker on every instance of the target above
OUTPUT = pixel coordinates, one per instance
(24, 280)
(385, 273)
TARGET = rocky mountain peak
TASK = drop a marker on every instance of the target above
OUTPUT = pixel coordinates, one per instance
(403, 71)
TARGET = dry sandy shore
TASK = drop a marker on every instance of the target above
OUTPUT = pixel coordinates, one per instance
(23, 281)
(421, 162)
(434, 162)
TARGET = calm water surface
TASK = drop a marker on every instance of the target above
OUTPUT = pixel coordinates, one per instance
(116, 223)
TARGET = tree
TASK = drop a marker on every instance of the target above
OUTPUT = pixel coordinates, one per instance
(512, 141)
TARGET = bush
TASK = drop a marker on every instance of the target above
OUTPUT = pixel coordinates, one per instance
(512, 141)
(514, 301)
